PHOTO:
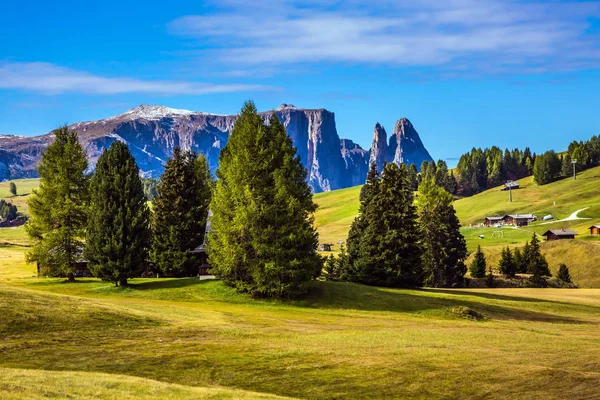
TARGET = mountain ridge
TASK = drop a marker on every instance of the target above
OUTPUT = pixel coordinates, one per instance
(153, 131)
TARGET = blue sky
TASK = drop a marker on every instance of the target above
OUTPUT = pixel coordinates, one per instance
(465, 72)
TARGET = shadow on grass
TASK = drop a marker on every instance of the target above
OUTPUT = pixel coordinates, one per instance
(331, 295)
(167, 283)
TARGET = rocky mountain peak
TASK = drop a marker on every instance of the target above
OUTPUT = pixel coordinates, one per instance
(285, 106)
(378, 147)
(153, 112)
(406, 146)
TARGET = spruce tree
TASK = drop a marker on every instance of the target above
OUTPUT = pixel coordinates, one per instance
(536, 262)
(490, 280)
(444, 247)
(478, 266)
(58, 207)
(360, 223)
(518, 261)
(118, 235)
(263, 240)
(179, 213)
(563, 273)
(507, 264)
(13, 188)
(389, 250)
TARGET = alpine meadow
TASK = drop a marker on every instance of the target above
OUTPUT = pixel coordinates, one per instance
(239, 206)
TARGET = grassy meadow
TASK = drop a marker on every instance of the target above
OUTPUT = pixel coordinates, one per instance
(187, 338)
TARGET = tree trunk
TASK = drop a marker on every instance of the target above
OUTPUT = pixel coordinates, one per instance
(123, 282)
(71, 277)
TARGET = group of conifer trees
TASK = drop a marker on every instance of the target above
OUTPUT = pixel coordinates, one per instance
(526, 260)
(263, 240)
(105, 218)
(397, 242)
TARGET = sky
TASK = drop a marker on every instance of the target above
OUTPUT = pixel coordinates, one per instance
(467, 73)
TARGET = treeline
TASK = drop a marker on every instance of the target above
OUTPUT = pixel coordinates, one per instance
(104, 219)
(550, 166)
(263, 240)
(8, 211)
(483, 169)
(397, 242)
(526, 260)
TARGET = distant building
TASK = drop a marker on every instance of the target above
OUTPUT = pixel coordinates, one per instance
(510, 219)
(511, 185)
(594, 230)
(559, 234)
(325, 247)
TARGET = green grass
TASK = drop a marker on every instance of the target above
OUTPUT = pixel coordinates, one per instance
(340, 341)
(559, 198)
(24, 188)
(335, 214)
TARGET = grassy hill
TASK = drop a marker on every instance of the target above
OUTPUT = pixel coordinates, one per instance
(187, 338)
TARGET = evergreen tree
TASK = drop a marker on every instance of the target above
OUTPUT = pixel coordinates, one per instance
(520, 268)
(8, 211)
(490, 280)
(118, 235)
(180, 210)
(444, 247)
(58, 207)
(537, 264)
(478, 266)
(13, 188)
(567, 167)
(263, 240)
(563, 273)
(507, 265)
(389, 253)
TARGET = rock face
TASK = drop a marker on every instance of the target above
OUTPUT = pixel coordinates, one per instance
(356, 161)
(379, 147)
(152, 132)
(406, 146)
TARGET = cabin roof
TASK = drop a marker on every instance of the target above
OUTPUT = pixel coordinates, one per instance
(594, 226)
(495, 218)
(560, 232)
(528, 216)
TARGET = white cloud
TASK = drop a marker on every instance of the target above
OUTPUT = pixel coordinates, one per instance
(53, 79)
(485, 35)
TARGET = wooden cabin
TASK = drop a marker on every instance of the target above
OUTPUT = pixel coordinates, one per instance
(491, 221)
(325, 247)
(559, 234)
(510, 219)
(519, 219)
(594, 230)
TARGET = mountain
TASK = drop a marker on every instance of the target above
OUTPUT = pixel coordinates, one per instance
(405, 146)
(152, 132)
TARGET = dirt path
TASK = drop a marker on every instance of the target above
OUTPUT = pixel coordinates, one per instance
(571, 217)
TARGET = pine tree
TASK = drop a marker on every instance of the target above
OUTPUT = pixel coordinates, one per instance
(179, 215)
(537, 264)
(360, 223)
(518, 261)
(389, 251)
(263, 240)
(444, 247)
(118, 232)
(13, 188)
(507, 265)
(58, 207)
(478, 266)
(563, 273)
(490, 280)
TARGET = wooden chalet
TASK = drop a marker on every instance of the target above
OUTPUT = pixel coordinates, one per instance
(200, 251)
(559, 234)
(519, 219)
(491, 221)
(594, 230)
(510, 219)
(325, 247)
